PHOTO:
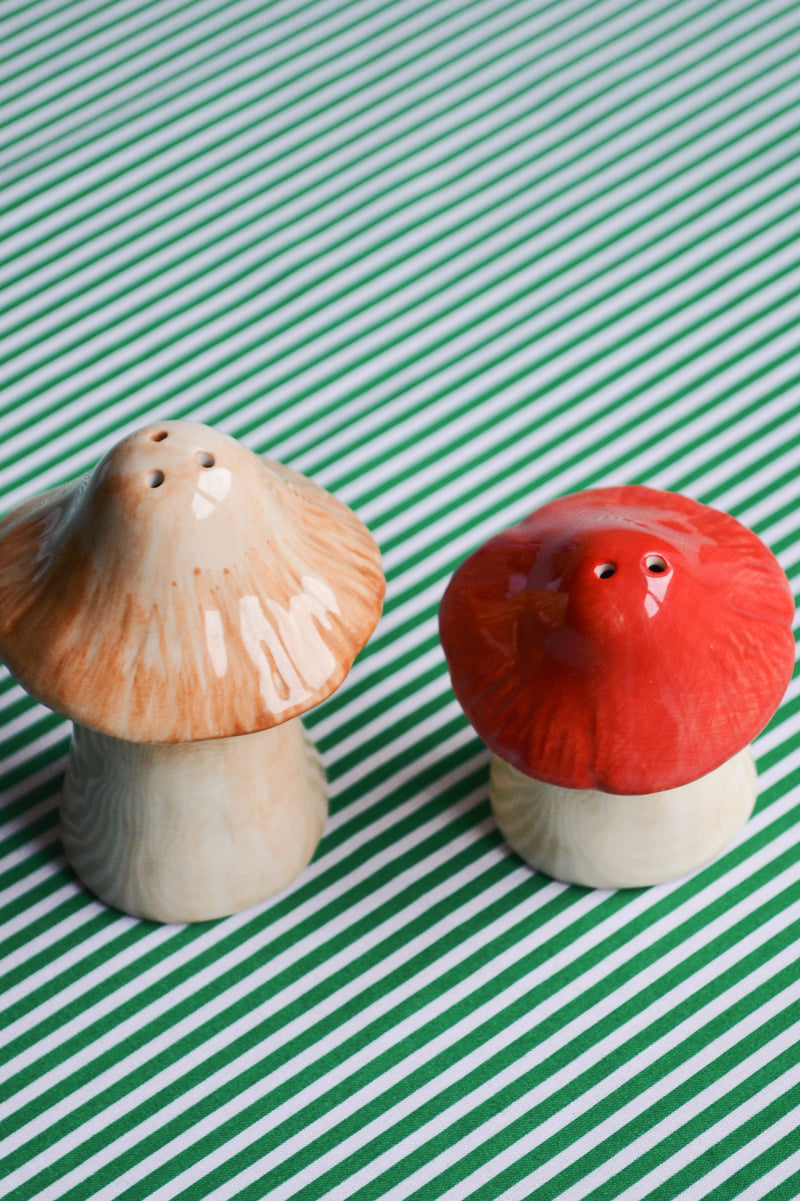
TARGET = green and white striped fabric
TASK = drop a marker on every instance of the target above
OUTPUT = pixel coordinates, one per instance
(451, 258)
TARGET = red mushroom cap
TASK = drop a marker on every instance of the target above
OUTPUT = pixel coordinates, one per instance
(623, 639)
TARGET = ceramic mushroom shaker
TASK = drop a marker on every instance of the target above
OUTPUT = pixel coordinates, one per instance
(183, 603)
(617, 651)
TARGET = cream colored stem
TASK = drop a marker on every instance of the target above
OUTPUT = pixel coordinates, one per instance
(607, 841)
(182, 832)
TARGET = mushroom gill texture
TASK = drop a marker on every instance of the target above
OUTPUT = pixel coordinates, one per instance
(185, 589)
(622, 639)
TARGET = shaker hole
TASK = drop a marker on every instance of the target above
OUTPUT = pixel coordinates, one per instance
(605, 570)
(159, 437)
(204, 458)
(655, 564)
(155, 479)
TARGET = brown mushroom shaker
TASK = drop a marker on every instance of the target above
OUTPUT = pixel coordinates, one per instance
(183, 603)
(617, 651)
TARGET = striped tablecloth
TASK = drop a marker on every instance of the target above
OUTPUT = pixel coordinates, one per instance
(452, 259)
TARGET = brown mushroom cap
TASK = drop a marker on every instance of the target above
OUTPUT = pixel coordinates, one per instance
(185, 589)
(623, 639)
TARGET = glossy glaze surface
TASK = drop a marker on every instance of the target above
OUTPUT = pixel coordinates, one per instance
(185, 589)
(622, 639)
(601, 840)
(191, 831)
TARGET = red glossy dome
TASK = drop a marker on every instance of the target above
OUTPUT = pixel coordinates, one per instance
(623, 638)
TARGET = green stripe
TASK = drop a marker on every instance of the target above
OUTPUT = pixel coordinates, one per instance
(698, 920)
(383, 250)
(210, 59)
(324, 383)
(432, 1068)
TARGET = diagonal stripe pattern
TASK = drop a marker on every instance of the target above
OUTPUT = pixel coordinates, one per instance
(452, 258)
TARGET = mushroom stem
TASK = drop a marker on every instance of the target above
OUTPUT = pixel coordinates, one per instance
(603, 840)
(180, 832)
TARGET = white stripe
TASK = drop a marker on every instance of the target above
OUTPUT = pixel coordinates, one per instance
(488, 462)
(779, 771)
(501, 169)
(338, 116)
(73, 437)
(58, 736)
(739, 428)
(12, 694)
(349, 844)
(22, 855)
(45, 775)
(740, 482)
(373, 870)
(339, 50)
(785, 528)
(16, 22)
(507, 396)
(404, 465)
(20, 921)
(139, 27)
(225, 270)
(518, 950)
(132, 73)
(468, 516)
(519, 1029)
(53, 29)
(759, 1189)
(689, 1112)
(189, 1022)
(440, 687)
(26, 721)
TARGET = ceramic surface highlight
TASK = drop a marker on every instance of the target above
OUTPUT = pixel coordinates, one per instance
(621, 639)
(185, 589)
(183, 603)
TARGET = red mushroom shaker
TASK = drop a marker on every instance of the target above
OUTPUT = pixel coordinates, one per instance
(617, 651)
